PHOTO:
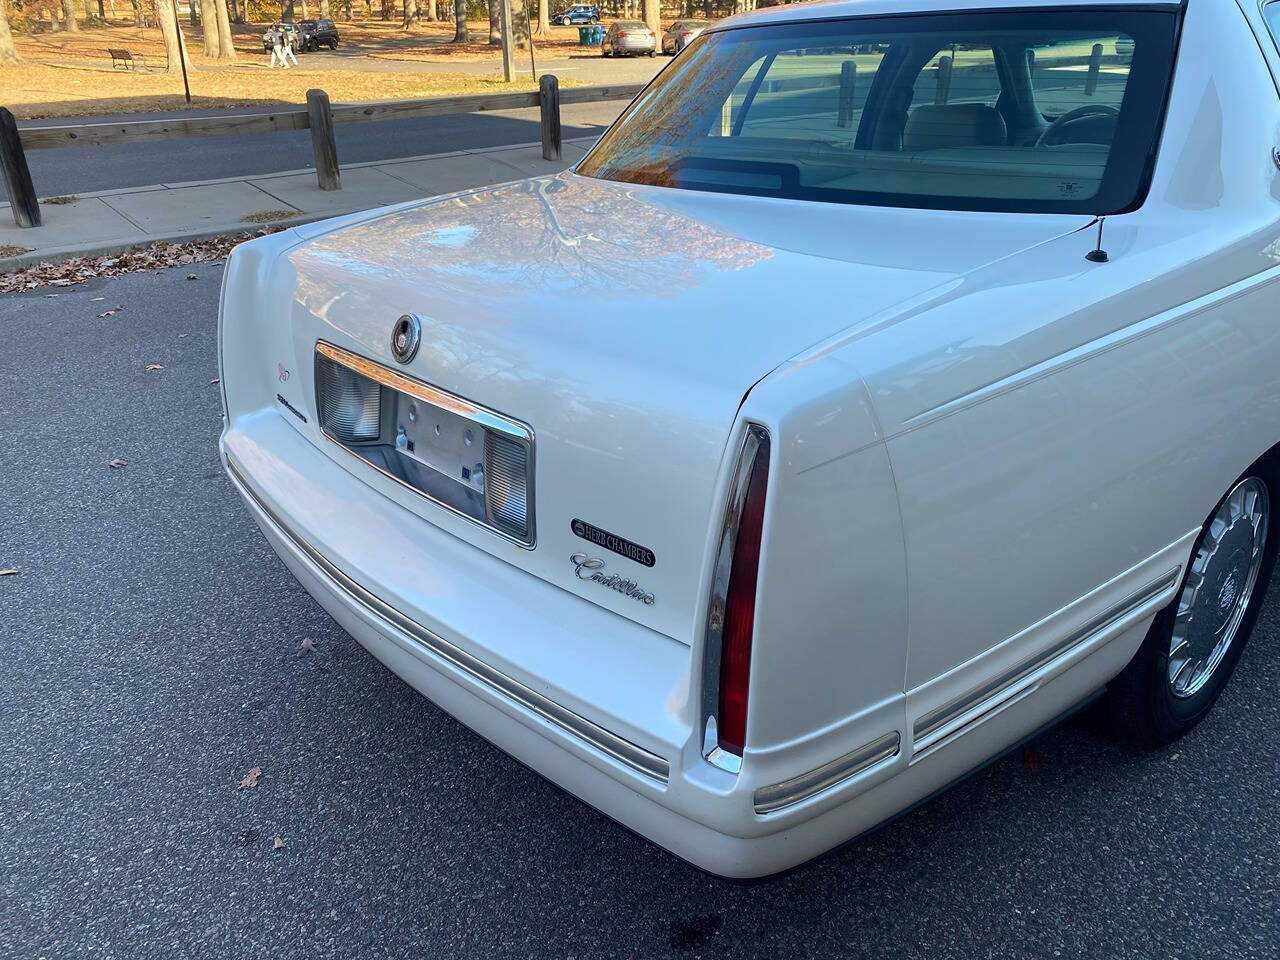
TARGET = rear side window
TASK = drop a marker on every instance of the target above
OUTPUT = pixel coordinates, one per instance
(1037, 112)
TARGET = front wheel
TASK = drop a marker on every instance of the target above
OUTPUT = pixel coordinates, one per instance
(653, 53)
(1194, 644)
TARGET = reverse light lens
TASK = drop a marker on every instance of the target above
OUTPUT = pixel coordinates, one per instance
(740, 610)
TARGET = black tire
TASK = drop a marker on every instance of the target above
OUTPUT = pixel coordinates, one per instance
(653, 53)
(1141, 706)
(333, 44)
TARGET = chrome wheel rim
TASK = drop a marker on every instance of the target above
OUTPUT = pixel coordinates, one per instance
(1219, 586)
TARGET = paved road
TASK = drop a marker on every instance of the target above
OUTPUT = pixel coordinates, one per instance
(147, 662)
(76, 170)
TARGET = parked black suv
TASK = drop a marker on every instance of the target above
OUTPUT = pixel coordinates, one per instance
(319, 33)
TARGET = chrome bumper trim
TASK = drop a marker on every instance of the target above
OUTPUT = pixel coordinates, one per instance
(938, 718)
(624, 751)
(779, 795)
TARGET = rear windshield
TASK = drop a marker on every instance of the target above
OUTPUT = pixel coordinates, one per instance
(1035, 112)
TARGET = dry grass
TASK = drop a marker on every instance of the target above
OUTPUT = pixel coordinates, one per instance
(9, 250)
(33, 91)
(67, 75)
(268, 216)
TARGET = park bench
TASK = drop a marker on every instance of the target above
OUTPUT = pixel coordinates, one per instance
(125, 60)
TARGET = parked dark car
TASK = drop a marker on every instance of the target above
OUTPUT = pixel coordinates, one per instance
(578, 13)
(319, 33)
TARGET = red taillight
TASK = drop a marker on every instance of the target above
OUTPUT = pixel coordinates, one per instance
(687, 34)
(621, 35)
(740, 610)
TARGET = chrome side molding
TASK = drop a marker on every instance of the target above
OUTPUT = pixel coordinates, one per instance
(630, 755)
(928, 725)
(773, 798)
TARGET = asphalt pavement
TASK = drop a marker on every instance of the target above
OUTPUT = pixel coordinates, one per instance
(148, 661)
(79, 170)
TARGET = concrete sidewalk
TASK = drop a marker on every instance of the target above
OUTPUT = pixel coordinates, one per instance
(116, 220)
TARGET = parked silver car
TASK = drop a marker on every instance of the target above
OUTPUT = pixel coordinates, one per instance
(680, 34)
(629, 37)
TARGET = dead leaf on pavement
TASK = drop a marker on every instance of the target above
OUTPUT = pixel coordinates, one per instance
(153, 367)
(250, 779)
(306, 646)
(115, 463)
(192, 276)
(214, 380)
(9, 572)
(110, 313)
(1031, 760)
(277, 844)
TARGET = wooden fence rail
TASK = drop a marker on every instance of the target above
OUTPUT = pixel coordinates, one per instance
(13, 161)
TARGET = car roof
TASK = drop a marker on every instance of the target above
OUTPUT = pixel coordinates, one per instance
(834, 9)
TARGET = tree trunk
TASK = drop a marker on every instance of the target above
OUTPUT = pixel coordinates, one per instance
(544, 18)
(495, 23)
(519, 24)
(226, 44)
(209, 20)
(8, 53)
(410, 13)
(460, 34)
(102, 11)
(324, 9)
(169, 29)
(69, 15)
(432, 13)
(346, 10)
(653, 15)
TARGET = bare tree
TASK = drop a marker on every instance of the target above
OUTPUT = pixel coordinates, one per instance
(172, 38)
(460, 34)
(209, 34)
(226, 43)
(432, 14)
(324, 9)
(410, 13)
(8, 53)
(653, 15)
(69, 15)
(495, 23)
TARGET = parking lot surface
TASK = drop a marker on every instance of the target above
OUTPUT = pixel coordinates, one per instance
(149, 661)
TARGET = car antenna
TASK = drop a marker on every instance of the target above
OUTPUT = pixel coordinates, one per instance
(1097, 254)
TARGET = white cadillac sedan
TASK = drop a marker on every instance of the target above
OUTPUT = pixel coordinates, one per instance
(889, 381)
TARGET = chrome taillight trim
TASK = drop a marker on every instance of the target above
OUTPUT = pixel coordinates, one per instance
(630, 755)
(484, 417)
(778, 796)
(753, 439)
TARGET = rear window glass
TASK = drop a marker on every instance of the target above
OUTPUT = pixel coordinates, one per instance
(1037, 112)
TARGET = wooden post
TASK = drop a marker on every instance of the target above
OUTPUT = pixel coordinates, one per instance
(508, 44)
(944, 80)
(848, 76)
(1095, 65)
(17, 178)
(549, 104)
(323, 146)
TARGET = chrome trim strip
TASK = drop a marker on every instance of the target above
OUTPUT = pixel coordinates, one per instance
(773, 798)
(943, 715)
(624, 751)
(754, 438)
(489, 419)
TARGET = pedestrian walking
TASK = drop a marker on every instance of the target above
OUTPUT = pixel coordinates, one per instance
(288, 51)
(278, 47)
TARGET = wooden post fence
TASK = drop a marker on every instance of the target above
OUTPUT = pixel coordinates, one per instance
(17, 178)
(549, 104)
(324, 147)
(320, 117)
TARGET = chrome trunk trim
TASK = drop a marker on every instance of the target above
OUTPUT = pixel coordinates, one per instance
(936, 719)
(488, 419)
(593, 735)
(754, 438)
(773, 798)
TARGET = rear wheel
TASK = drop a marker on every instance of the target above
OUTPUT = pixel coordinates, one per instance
(1193, 645)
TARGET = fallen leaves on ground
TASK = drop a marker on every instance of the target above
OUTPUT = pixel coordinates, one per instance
(306, 646)
(250, 779)
(192, 276)
(266, 216)
(277, 844)
(153, 367)
(115, 463)
(156, 256)
(9, 572)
